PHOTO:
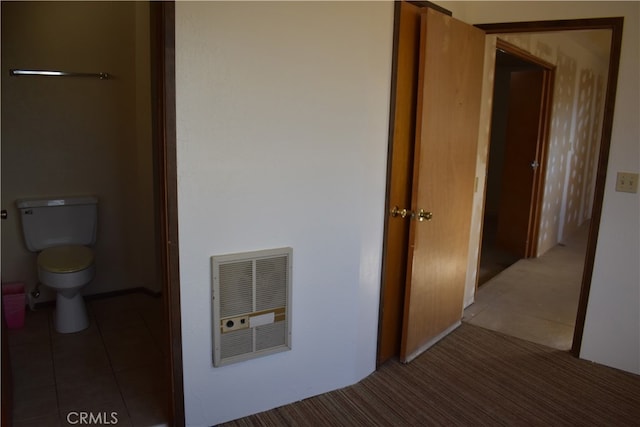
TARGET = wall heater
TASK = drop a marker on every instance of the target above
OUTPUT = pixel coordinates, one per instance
(251, 304)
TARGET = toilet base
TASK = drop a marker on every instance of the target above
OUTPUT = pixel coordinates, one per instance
(71, 314)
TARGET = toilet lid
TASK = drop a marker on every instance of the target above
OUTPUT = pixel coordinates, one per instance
(65, 259)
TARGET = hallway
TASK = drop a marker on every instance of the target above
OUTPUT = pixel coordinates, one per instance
(535, 299)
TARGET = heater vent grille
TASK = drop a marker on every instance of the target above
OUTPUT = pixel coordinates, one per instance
(236, 343)
(271, 273)
(236, 294)
(270, 335)
(251, 304)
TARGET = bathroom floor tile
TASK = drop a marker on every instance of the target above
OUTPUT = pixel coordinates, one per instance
(130, 347)
(36, 402)
(109, 321)
(35, 329)
(77, 346)
(141, 381)
(46, 421)
(77, 361)
(144, 301)
(132, 354)
(38, 374)
(81, 369)
(80, 392)
(154, 318)
(59, 375)
(109, 413)
(147, 410)
(32, 365)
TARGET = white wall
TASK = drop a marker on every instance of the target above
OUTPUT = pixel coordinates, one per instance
(282, 115)
(612, 330)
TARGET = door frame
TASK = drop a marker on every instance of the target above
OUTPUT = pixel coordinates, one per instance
(164, 137)
(614, 24)
(402, 123)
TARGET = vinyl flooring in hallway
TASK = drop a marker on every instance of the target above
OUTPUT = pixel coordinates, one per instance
(535, 299)
(113, 369)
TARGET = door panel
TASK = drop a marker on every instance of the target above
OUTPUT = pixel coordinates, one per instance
(515, 211)
(449, 97)
(401, 167)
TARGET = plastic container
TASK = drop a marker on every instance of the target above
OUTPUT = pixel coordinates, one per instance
(13, 304)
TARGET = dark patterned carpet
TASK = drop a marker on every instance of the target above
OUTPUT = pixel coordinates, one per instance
(474, 377)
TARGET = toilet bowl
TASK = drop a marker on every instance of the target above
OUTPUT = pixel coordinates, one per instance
(60, 230)
(67, 269)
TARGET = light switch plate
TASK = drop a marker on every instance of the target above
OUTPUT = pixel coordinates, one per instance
(627, 182)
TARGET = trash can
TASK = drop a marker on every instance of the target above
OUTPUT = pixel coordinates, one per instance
(13, 304)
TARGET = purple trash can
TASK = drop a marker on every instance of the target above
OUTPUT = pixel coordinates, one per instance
(13, 304)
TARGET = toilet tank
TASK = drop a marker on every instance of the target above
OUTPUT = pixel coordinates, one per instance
(58, 221)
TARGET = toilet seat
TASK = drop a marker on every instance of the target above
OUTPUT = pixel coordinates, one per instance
(65, 259)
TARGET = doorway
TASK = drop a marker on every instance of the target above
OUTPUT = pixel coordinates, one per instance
(525, 301)
(389, 264)
(521, 111)
(72, 129)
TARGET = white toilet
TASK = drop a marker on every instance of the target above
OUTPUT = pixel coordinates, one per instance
(61, 229)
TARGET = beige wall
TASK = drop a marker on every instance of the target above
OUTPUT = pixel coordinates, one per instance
(69, 136)
(575, 128)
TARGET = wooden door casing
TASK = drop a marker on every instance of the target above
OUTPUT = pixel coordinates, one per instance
(400, 178)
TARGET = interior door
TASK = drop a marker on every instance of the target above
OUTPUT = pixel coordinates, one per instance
(516, 206)
(449, 98)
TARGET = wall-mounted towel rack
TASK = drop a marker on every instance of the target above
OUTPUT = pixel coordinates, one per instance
(51, 73)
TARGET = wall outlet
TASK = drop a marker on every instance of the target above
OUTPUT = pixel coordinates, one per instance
(627, 182)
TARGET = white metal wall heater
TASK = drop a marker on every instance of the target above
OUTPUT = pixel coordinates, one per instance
(251, 304)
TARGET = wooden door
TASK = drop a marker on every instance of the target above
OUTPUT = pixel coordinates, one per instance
(521, 165)
(449, 97)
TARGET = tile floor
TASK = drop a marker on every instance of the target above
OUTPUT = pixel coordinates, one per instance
(535, 299)
(114, 366)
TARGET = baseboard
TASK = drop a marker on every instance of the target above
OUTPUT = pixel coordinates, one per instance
(104, 295)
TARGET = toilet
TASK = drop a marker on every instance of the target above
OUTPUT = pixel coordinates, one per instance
(62, 230)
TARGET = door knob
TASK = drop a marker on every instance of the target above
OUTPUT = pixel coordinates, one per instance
(403, 213)
(424, 215)
(4, 214)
